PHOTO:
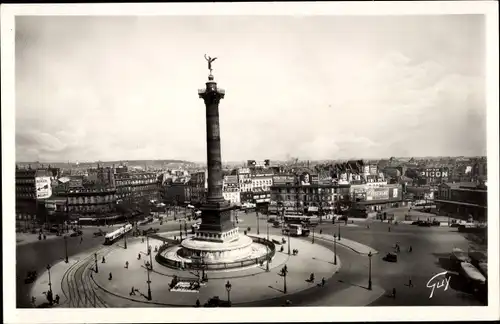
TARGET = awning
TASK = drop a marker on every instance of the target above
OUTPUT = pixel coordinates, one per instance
(313, 209)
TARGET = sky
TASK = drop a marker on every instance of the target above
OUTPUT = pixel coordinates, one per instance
(312, 87)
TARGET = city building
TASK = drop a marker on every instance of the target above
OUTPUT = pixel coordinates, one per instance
(298, 195)
(464, 200)
(245, 180)
(232, 196)
(375, 198)
(176, 193)
(261, 182)
(198, 187)
(33, 186)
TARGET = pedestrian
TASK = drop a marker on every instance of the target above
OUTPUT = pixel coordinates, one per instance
(81, 239)
(143, 240)
(320, 231)
(138, 256)
(57, 299)
(389, 228)
(410, 249)
(103, 259)
(132, 291)
(394, 293)
(110, 276)
(126, 265)
(44, 236)
(323, 281)
(410, 283)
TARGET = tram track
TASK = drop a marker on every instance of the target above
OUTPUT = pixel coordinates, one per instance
(77, 285)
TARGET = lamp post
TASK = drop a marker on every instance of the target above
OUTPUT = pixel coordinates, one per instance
(150, 259)
(284, 272)
(149, 284)
(96, 268)
(180, 230)
(338, 225)
(289, 241)
(267, 229)
(50, 283)
(313, 234)
(258, 228)
(66, 248)
(370, 270)
(335, 249)
(125, 240)
(228, 289)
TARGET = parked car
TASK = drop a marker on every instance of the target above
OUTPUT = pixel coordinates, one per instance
(217, 302)
(390, 257)
(76, 233)
(416, 222)
(150, 231)
(435, 223)
(425, 224)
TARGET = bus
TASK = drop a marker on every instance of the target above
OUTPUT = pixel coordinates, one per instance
(295, 229)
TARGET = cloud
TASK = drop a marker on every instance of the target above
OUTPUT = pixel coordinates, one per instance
(122, 88)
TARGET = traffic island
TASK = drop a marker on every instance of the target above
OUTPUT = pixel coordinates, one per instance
(247, 284)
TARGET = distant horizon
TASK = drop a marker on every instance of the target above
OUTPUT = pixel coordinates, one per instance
(244, 161)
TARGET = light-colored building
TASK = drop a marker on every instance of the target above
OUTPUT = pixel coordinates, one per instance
(233, 197)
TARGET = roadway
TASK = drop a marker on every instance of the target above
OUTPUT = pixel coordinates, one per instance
(38, 254)
(431, 248)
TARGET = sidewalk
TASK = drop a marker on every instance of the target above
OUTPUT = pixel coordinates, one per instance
(353, 245)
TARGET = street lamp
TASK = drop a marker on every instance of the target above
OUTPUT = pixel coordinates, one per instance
(125, 240)
(335, 249)
(228, 288)
(66, 248)
(258, 228)
(284, 272)
(370, 270)
(313, 234)
(289, 241)
(50, 283)
(149, 284)
(96, 268)
(339, 230)
(180, 230)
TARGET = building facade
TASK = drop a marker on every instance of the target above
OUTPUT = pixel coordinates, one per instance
(464, 200)
(33, 186)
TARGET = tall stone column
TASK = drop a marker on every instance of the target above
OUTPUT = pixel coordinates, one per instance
(216, 212)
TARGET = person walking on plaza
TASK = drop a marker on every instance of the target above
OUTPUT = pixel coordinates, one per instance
(110, 276)
(323, 281)
(103, 259)
(81, 239)
(410, 249)
(410, 283)
(394, 293)
(132, 291)
(126, 265)
(57, 299)
(138, 256)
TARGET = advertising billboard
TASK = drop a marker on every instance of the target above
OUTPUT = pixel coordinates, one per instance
(305, 179)
(43, 187)
(377, 194)
(434, 173)
(231, 179)
(283, 179)
(314, 179)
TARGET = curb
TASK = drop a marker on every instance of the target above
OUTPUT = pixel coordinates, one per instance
(348, 247)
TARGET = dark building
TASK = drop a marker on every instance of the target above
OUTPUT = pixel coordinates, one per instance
(463, 200)
(198, 187)
(176, 193)
(33, 186)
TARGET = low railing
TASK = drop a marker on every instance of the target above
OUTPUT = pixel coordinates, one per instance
(218, 266)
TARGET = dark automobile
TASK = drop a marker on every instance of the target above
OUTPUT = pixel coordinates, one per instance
(390, 257)
(455, 225)
(435, 223)
(217, 302)
(54, 229)
(99, 233)
(425, 224)
(416, 222)
(30, 278)
(150, 231)
(76, 233)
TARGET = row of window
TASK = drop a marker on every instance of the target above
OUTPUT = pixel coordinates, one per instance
(25, 189)
(91, 199)
(25, 181)
(302, 197)
(121, 183)
(138, 188)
